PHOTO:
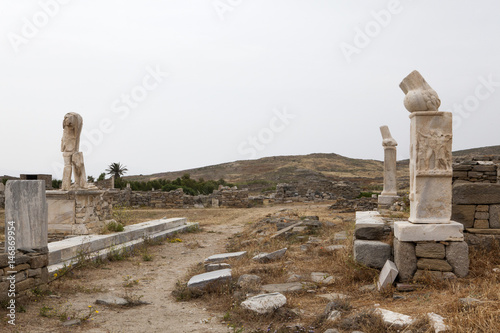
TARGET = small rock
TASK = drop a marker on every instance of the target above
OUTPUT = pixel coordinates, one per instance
(284, 287)
(111, 300)
(333, 248)
(332, 330)
(264, 303)
(73, 322)
(201, 281)
(408, 287)
(294, 278)
(333, 316)
(395, 297)
(322, 278)
(437, 322)
(394, 319)
(249, 281)
(216, 267)
(217, 258)
(333, 296)
(266, 257)
(368, 287)
(304, 248)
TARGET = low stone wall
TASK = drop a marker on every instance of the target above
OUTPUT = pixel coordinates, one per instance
(476, 170)
(477, 206)
(224, 197)
(315, 191)
(106, 184)
(78, 212)
(30, 271)
(231, 197)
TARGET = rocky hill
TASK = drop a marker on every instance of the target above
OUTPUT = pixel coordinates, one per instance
(269, 171)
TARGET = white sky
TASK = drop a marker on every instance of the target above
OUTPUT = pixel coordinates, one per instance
(227, 77)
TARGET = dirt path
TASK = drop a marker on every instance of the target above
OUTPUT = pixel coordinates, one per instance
(156, 281)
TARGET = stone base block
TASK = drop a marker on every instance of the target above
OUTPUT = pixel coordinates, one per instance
(386, 201)
(411, 232)
(370, 226)
(371, 253)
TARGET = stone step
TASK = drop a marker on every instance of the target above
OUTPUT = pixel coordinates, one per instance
(70, 248)
(102, 254)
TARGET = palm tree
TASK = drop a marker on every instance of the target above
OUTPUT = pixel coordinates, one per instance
(116, 169)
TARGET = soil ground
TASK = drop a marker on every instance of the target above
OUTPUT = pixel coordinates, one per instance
(156, 279)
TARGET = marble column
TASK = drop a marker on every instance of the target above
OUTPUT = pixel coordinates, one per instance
(390, 192)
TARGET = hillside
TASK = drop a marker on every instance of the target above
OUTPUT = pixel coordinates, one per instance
(311, 168)
(282, 169)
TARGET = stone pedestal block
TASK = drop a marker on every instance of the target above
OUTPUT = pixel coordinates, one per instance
(26, 206)
(430, 167)
(411, 232)
(371, 253)
(405, 259)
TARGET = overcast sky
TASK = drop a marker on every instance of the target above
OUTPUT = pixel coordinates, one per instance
(177, 84)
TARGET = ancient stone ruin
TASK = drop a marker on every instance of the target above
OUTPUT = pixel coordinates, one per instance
(429, 240)
(389, 194)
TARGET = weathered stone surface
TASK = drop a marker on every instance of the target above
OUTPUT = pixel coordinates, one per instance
(216, 267)
(482, 215)
(430, 250)
(247, 281)
(437, 322)
(482, 208)
(394, 319)
(463, 214)
(26, 206)
(216, 258)
(334, 315)
(322, 278)
(370, 228)
(495, 216)
(457, 254)
(371, 253)
(265, 303)
(333, 296)
(39, 261)
(201, 281)
(421, 275)
(284, 287)
(390, 177)
(405, 259)
(434, 265)
(334, 248)
(340, 236)
(61, 211)
(481, 224)
(411, 232)
(111, 300)
(387, 275)
(267, 257)
(476, 193)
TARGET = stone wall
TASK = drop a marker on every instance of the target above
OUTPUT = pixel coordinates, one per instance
(477, 206)
(224, 197)
(482, 169)
(30, 271)
(231, 197)
(106, 183)
(46, 178)
(79, 212)
(315, 191)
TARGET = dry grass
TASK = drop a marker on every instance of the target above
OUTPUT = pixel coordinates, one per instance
(441, 297)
